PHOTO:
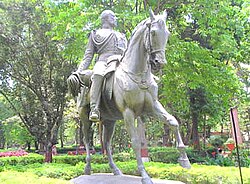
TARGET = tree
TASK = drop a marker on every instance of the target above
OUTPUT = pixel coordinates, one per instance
(5, 113)
(201, 53)
(199, 83)
(16, 134)
(33, 70)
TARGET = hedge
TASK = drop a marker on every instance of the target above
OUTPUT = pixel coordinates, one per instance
(68, 167)
(24, 160)
(66, 159)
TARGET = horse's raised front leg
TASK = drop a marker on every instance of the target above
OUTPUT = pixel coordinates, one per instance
(83, 113)
(107, 138)
(161, 113)
(129, 119)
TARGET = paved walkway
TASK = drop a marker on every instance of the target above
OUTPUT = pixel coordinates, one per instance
(112, 179)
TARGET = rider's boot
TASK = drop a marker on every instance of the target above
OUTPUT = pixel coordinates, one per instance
(95, 94)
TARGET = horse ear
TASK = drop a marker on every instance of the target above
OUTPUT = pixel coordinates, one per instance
(165, 14)
(152, 15)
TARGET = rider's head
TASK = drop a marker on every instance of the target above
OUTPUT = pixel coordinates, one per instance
(108, 19)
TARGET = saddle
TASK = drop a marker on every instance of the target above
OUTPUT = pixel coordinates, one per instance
(113, 62)
(84, 79)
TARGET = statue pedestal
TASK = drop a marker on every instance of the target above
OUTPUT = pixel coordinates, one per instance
(108, 178)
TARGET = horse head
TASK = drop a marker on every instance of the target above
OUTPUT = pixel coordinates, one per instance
(156, 39)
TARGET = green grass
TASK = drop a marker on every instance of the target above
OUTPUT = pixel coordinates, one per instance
(62, 173)
(15, 177)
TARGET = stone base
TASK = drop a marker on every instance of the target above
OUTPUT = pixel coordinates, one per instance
(107, 178)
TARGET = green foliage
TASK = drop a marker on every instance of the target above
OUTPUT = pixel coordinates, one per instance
(121, 139)
(62, 171)
(5, 110)
(36, 68)
(15, 133)
(203, 53)
(14, 177)
(220, 160)
(24, 160)
(72, 160)
(243, 155)
(217, 140)
(197, 174)
(171, 155)
(164, 154)
(196, 156)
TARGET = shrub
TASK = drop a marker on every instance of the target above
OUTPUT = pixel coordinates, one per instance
(171, 155)
(220, 160)
(17, 153)
(196, 175)
(123, 157)
(217, 140)
(68, 159)
(13, 177)
(24, 160)
(163, 154)
(196, 156)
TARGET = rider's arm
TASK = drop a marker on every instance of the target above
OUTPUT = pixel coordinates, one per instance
(122, 45)
(89, 54)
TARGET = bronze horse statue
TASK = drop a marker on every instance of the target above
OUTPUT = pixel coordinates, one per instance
(130, 91)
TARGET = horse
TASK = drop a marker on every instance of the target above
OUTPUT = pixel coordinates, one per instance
(131, 92)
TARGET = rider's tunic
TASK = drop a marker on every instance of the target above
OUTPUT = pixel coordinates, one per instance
(104, 43)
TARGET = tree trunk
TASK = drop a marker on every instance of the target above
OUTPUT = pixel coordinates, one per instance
(188, 136)
(195, 133)
(41, 148)
(36, 145)
(204, 134)
(28, 145)
(61, 134)
(195, 107)
(2, 138)
(166, 140)
(48, 153)
(61, 140)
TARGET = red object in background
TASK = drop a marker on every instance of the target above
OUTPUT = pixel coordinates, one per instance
(230, 146)
(213, 153)
(235, 125)
(144, 152)
(13, 153)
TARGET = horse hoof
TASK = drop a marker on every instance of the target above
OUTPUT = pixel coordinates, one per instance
(118, 172)
(173, 122)
(184, 162)
(146, 181)
(181, 147)
(87, 171)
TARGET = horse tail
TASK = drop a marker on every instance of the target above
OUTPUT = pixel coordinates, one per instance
(73, 84)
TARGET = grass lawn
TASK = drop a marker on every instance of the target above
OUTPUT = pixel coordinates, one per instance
(15, 177)
(56, 173)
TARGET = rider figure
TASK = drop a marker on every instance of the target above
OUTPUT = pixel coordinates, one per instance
(104, 42)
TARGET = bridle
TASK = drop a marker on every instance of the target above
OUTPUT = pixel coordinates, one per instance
(152, 51)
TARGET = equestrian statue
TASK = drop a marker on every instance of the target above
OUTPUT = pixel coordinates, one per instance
(122, 84)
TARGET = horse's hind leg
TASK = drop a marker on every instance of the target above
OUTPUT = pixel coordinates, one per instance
(161, 113)
(83, 113)
(136, 144)
(107, 135)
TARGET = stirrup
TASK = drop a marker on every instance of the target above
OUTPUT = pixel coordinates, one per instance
(94, 115)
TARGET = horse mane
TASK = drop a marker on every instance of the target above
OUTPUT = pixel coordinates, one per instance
(73, 85)
(136, 31)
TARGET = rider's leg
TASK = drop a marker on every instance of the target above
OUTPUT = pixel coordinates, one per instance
(95, 95)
